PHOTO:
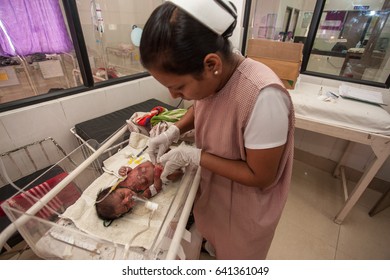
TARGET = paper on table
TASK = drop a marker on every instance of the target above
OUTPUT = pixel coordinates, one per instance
(51, 69)
(361, 94)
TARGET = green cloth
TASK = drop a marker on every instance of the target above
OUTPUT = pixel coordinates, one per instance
(168, 116)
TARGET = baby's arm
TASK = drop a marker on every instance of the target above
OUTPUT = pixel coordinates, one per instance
(158, 184)
(156, 187)
(124, 170)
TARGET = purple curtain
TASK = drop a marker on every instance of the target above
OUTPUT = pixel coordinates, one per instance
(32, 26)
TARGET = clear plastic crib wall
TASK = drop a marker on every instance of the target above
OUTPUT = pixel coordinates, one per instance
(39, 219)
(33, 226)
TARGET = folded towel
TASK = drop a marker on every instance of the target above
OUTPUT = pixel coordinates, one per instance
(168, 116)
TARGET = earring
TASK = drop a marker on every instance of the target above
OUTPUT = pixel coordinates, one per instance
(216, 72)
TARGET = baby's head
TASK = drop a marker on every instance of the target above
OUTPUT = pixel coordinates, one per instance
(116, 204)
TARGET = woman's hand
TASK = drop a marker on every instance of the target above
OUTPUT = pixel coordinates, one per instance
(160, 144)
(179, 157)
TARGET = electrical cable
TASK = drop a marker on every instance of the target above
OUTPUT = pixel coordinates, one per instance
(181, 100)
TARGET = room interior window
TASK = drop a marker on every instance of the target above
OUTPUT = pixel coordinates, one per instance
(344, 40)
(352, 41)
(50, 49)
(35, 48)
(112, 32)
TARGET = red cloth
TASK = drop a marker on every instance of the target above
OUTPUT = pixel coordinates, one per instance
(145, 119)
(60, 202)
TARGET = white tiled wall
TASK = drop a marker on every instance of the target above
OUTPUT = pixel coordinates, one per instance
(55, 118)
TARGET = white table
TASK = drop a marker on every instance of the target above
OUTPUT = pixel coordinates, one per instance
(354, 121)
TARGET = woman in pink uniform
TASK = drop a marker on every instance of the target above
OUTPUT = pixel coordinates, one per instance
(243, 119)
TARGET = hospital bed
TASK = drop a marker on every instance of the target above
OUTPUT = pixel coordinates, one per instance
(350, 120)
(141, 234)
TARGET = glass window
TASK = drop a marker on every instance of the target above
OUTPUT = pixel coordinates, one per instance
(280, 20)
(352, 41)
(40, 61)
(343, 39)
(112, 32)
(35, 57)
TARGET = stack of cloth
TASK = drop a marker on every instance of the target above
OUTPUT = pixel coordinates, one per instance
(154, 122)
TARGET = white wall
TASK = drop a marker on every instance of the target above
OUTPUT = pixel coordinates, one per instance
(295, 4)
(55, 118)
(263, 8)
(262, 22)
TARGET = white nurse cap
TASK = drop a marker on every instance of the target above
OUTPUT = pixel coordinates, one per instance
(218, 15)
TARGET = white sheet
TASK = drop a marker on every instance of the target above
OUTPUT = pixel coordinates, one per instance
(340, 112)
(125, 230)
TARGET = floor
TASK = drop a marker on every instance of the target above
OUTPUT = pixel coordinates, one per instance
(306, 230)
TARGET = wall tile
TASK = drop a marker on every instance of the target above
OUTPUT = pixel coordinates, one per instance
(5, 140)
(37, 122)
(311, 79)
(151, 88)
(85, 106)
(123, 95)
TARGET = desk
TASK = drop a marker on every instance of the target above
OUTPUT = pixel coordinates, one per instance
(349, 120)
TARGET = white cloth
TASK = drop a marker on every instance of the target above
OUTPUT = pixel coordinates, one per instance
(341, 113)
(123, 230)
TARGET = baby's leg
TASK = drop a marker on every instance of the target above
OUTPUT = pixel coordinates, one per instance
(124, 170)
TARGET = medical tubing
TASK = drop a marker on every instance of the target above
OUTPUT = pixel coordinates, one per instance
(12, 228)
(128, 245)
(172, 251)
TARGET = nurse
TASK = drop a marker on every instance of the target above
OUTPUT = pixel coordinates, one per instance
(243, 119)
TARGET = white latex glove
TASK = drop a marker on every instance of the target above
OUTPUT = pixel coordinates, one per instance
(159, 145)
(178, 158)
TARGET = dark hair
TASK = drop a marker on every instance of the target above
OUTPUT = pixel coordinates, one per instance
(105, 209)
(175, 42)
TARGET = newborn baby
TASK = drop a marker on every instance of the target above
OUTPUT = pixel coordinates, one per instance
(143, 181)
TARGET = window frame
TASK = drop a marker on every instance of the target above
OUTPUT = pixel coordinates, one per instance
(308, 46)
(76, 33)
(317, 13)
